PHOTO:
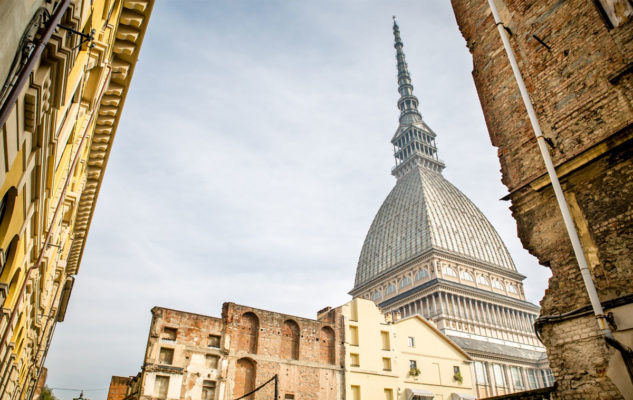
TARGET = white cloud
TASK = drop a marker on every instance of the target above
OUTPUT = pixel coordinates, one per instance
(252, 156)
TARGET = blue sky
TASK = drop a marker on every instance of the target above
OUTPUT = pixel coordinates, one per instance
(251, 158)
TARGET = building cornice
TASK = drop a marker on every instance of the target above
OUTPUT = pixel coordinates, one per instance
(131, 26)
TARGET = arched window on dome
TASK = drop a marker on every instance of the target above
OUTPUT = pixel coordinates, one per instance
(376, 296)
(467, 276)
(512, 289)
(497, 284)
(406, 281)
(390, 289)
(449, 271)
(423, 273)
(483, 280)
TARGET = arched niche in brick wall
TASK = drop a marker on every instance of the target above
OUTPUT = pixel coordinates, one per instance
(245, 374)
(290, 336)
(249, 332)
(326, 342)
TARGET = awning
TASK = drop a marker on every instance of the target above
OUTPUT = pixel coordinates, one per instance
(463, 396)
(418, 394)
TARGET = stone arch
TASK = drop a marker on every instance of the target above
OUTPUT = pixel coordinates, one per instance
(245, 374)
(327, 342)
(250, 331)
(290, 336)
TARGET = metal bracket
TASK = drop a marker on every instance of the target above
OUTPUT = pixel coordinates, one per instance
(85, 37)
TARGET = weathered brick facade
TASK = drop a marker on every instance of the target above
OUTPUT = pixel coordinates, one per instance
(577, 65)
(191, 356)
(119, 386)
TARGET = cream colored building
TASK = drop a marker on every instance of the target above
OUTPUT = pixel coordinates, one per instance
(65, 67)
(382, 358)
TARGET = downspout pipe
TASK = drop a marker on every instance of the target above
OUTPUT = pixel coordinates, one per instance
(7, 106)
(601, 319)
(551, 171)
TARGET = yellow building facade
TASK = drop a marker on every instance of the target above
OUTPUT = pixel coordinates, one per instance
(66, 68)
(407, 359)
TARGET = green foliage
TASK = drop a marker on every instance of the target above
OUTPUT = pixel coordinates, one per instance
(458, 377)
(47, 394)
(414, 372)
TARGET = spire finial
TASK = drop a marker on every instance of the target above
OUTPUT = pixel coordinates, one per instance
(414, 141)
(408, 103)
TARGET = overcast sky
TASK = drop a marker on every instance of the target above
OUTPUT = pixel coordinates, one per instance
(251, 158)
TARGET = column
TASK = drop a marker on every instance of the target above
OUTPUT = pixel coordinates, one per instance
(434, 304)
(508, 376)
(491, 379)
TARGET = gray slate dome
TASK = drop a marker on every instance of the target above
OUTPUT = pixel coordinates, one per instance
(424, 211)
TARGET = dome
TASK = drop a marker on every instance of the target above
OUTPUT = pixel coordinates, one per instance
(424, 211)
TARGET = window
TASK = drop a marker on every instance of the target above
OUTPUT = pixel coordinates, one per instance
(411, 341)
(390, 289)
(413, 364)
(169, 334)
(482, 280)
(212, 361)
(384, 336)
(354, 359)
(208, 390)
(512, 288)
(388, 394)
(421, 274)
(480, 374)
(497, 284)
(353, 335)
(161, 384)
(289, 396)
(456, 370)
(517, 379)
(214, 341)
(386, 364)
(448, 271)
(548, 377)
(376, 296)
(355, 392)
(498, 372)
(166, 356)
(532, 382)
(406, 281)
(467, 276)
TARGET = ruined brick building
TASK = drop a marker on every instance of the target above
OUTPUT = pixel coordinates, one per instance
(192, 356)
(576, 57)
(430, 251)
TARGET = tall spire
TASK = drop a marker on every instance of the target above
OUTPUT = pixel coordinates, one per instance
(408, 103)
(414, 141)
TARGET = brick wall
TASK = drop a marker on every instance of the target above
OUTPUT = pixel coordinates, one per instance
(118, 387)
(289, 346)
(581, 85)
(253, 345)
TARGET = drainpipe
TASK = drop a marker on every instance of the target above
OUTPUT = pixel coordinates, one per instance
(551, 171)
(627, 353)
(7, 106)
